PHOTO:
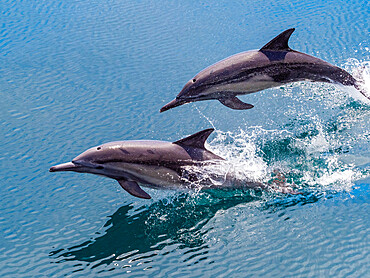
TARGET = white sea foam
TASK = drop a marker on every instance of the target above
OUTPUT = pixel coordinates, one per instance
(315, 169)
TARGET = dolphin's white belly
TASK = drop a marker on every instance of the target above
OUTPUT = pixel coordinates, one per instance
(254, 84)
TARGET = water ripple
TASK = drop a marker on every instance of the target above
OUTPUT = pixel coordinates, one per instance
(77, 74)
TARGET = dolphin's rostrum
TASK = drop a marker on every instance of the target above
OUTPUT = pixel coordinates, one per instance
(275, 64)
(155, 164)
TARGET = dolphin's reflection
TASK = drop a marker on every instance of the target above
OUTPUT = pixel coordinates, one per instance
(145, 230)
(180, 223)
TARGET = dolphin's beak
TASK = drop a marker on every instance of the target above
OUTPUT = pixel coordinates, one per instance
(69, 166)
(176, 102)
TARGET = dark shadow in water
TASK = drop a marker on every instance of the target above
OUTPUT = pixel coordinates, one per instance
(146, 230)
(163, 223)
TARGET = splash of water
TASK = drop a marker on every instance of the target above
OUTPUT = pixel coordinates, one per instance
(241, 163)
(361, 72)
(257, 156)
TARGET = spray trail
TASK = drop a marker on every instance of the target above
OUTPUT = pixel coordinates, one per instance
(361, 72)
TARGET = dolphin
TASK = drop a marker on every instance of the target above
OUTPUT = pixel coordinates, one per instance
(273, 65)
(156, 164)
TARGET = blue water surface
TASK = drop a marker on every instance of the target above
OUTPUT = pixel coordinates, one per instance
(75, 74)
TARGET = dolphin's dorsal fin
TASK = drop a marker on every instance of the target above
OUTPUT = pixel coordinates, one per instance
(196, 140)
(280, 42)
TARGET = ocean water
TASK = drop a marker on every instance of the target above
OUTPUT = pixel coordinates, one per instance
(75, 74)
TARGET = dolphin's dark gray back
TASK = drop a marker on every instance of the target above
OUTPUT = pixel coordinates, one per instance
(277, 60)
(187, 151)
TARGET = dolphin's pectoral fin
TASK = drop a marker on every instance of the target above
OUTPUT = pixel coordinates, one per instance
(133, 188)
(235, 103)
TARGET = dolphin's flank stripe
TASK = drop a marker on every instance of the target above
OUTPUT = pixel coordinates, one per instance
(294, 70)
(171, 165)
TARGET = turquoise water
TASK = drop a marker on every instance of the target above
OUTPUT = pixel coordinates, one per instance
(75, 74)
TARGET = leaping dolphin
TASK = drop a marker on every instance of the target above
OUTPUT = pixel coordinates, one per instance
(275, 64)
(156, 164)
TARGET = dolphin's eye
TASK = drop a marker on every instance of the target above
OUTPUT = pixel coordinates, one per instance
(98, 148)
(194, 80)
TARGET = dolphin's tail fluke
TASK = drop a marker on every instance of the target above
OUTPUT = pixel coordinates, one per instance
(343, 77)
(360, 88)
(360, 82)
